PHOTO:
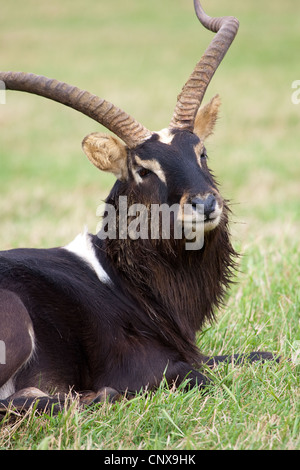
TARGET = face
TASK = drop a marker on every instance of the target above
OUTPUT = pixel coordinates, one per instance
(168, 169)
(171, 168)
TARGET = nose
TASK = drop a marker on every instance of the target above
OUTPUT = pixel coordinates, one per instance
(209, 204)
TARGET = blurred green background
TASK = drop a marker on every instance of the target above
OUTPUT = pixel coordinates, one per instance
(138, 54)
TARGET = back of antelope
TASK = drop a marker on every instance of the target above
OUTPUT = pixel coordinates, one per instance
(107, 315)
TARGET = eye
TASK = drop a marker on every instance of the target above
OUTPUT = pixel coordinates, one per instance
(204, 154)
(143, 172)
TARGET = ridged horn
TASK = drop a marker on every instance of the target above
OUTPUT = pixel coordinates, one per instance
(192, 94)
(102, 111)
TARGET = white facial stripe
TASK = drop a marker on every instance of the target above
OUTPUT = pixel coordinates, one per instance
(82, 247)
(151, 165)
(198, 151)
(165, 136)
(137, 177)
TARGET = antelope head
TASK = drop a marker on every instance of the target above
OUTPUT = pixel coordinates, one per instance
(167, 166)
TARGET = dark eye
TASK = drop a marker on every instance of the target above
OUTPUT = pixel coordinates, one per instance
(143, 172)
(204, 154)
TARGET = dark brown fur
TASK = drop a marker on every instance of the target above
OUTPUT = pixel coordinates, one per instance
(126, 335)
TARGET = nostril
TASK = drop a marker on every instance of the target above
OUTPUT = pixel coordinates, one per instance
(197, 200)
(209, 204)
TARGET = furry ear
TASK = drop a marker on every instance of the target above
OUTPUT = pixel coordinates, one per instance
(206, 118)
(107, 153)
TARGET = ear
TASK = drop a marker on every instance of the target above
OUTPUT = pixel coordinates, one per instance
(206, 118)
(107, 153)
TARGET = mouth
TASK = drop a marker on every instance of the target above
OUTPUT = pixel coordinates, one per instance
(198, 222)
(211, 222)
(203, 226)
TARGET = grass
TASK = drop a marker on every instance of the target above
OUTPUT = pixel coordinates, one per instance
(138, 55)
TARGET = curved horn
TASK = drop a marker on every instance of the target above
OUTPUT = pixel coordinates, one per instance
(113, 118)
(192, 94)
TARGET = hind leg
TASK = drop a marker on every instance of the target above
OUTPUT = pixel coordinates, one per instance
(28, 397)
(17, 339)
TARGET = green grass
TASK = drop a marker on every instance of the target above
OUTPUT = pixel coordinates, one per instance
(138, 54)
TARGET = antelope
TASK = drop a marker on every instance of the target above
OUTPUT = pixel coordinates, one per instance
(105, 316)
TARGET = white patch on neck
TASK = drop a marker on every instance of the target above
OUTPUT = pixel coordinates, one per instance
(83, 247)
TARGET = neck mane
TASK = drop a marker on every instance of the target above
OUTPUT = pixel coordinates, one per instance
(178, 289)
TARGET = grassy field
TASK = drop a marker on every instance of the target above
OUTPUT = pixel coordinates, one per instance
(138, 54)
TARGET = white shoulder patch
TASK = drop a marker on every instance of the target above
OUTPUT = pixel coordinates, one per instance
(83, 247)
